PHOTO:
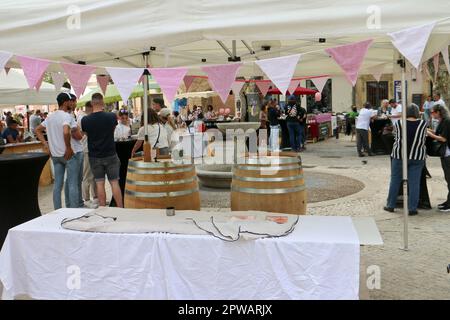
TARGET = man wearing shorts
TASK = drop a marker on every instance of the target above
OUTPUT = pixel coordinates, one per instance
(99, 127)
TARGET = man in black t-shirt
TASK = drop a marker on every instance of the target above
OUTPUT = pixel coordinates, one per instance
(99, 127)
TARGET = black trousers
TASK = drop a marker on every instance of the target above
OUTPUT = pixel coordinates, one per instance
(362, 140)
(445, 162)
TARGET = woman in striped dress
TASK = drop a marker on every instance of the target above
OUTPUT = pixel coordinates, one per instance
(416, 137)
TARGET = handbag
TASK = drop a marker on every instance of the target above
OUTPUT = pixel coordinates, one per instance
(435, 148)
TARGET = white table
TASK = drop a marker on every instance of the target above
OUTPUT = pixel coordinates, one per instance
(319, 260)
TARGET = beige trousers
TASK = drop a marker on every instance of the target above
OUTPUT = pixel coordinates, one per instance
(88, 184)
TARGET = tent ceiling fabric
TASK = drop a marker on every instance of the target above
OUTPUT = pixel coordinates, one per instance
(185, 32)
(14, 90)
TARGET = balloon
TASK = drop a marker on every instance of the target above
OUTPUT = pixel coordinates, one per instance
(227, 111)
(318, 96)
(221, 111)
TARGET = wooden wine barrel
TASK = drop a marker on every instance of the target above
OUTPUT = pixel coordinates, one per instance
(269, 183)
(162, 184)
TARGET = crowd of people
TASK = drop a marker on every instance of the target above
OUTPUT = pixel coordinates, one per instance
(83, 151)
(428, 133)
(295, 116)
(19, 128)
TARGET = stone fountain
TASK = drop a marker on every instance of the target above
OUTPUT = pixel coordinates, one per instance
(219, 176)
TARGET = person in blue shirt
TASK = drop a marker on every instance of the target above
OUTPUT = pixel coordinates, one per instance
(11, 134)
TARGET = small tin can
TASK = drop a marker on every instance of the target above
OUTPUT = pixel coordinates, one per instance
(170, 211)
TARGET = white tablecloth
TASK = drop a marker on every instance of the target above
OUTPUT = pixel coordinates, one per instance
(319, 260)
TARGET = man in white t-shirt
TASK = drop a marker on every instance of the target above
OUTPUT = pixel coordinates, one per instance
(396, 111)
(59, 134)
(362, 129)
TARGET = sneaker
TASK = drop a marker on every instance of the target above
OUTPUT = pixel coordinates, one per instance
(388, 209)
(445, 208)
(371, 154)
(413, 213)
(91, 204)
(361, 155)
(442, 205)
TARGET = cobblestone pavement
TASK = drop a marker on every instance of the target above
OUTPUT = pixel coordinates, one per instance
(419, 273)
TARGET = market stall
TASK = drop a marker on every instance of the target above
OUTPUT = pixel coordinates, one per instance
(319, 127)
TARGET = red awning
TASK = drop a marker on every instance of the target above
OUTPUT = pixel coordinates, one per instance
(299, 91)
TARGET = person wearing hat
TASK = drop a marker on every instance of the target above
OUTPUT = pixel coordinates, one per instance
(123, 129)
(169, 124)
(11, 134)
(295, 119)
(58, 126)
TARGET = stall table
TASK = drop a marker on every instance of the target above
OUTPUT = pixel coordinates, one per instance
(35, 146)
(320, 259)
(20, 174)
(319, 127)
(379, 144)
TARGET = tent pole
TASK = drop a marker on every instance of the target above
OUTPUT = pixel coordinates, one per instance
(147, 147)
(404, 159)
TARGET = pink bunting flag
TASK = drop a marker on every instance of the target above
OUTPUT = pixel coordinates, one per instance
(377, 71)
(320, 83)
(103, 81)
(264, 86)
(350, 58)
(58, 80)
(4, 58)
(125, 80)
(188, 80)
(141, 79)
(444, 53)
(293, 86)
(237, 87)
(280, 70)
(7, 70)
(78, 75)
(39, 83)
(33, 68)
(222, 77)
(411, 42)
(169, 79)
(425, 70)
(436, 65)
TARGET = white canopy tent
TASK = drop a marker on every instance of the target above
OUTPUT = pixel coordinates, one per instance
(14, 90)
(182, 33)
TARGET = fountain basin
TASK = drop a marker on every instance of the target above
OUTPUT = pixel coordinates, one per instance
(217, 176)
(223, 127)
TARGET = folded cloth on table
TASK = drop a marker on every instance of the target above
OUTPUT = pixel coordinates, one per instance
(228, 226)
